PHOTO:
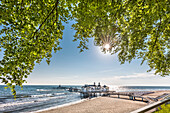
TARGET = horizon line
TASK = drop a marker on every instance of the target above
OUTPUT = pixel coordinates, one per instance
(84, 84)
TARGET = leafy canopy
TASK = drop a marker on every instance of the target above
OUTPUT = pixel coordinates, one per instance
(32, 29)
(165, 108)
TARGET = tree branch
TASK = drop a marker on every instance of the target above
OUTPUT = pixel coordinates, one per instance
(157, 33)
(56, 10)
(22, 8)
(46, 18)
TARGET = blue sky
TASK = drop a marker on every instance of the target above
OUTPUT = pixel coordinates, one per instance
(68, 66)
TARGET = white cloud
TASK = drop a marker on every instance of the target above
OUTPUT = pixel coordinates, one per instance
(135, 75)
(137, 79)
(131, 76)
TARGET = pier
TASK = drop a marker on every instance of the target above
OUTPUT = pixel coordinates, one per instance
(89, 91)
(133, 95)
(94, 90)
(95, 93)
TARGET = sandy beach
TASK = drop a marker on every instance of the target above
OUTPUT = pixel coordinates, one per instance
(104, 105)
(100, 105)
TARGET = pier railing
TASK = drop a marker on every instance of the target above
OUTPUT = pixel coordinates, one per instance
(151, 106)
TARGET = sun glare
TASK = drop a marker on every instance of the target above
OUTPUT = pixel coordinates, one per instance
(107, 46)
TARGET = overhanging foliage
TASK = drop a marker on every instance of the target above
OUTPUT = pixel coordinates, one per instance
(31, 29)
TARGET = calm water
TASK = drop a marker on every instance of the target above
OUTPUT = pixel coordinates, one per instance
(33, 98)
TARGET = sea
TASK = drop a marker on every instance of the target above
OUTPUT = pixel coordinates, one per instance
(40, 97)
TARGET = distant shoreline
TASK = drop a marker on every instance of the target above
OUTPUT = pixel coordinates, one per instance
(108, 85)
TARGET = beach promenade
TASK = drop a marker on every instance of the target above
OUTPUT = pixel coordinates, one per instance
(104, 105)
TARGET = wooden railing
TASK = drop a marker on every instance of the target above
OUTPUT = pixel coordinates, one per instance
(151, 106)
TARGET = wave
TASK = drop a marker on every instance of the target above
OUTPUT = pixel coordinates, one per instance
(33, 96)
(50, 89)
(43, 95)
(60, 93)
(10, 105)
(14, 104)
(48, 95)
(45, 90)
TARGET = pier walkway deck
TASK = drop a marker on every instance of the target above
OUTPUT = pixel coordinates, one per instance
(132, 95)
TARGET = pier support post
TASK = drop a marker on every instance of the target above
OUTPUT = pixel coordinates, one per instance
(130, 97)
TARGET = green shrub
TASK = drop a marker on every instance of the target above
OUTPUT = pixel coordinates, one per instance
(164, 109)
